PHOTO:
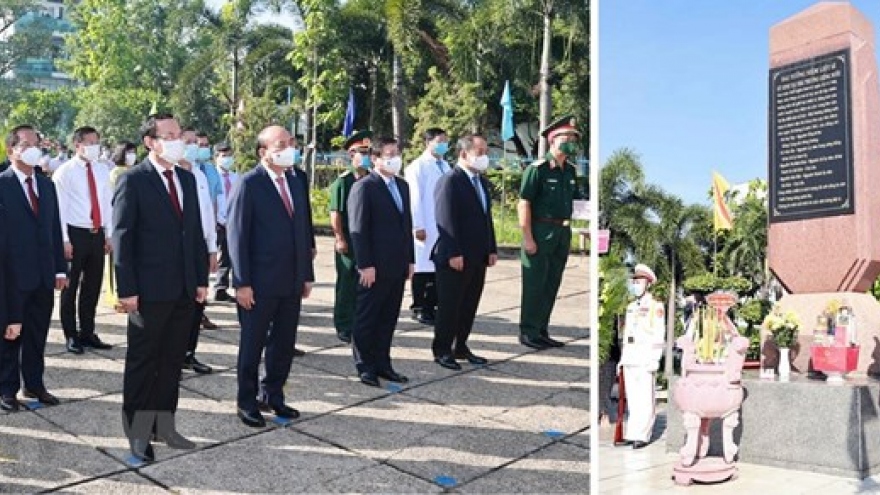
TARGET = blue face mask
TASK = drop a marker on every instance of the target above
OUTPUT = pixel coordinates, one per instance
(225, 162)
(297, 157)
(204, 154)
(441, 148)
(636, 290)
(191, 154)
(365, 162)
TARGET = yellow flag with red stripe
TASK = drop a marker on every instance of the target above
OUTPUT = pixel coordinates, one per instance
(723, 219)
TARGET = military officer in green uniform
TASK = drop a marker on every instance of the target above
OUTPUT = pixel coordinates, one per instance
(358, 147)
(548, 189)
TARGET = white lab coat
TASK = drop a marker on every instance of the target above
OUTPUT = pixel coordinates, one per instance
(223, 199)
(422, 176)
(206, 210)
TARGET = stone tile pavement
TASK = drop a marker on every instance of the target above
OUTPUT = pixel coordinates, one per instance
(624, 471)
(520, 424)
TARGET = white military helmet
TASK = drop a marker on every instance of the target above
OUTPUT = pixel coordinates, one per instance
(642, 271)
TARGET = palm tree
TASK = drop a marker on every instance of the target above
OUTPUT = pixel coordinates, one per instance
(620, 183)
(745, 249)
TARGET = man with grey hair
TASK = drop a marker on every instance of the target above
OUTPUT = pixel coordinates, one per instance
(465, 248)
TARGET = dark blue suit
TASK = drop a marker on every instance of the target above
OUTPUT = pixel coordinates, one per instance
(37, 253)
(272, 254)
(10, 297)
(159, 256)
(381, 236)
(464, 221)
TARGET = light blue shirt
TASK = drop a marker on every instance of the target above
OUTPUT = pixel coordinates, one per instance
(215, 184)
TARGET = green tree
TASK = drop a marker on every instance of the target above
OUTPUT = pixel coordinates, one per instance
(52, 112)
(745, 248)
(116, 113)
(32, 42)
(621, 182)
(255, 114)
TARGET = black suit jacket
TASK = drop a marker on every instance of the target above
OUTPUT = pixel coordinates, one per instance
(465, 229)
(10, 297)
(381, 234)
(303, 179)
(158, 255)
(270, 251)
(37, 248)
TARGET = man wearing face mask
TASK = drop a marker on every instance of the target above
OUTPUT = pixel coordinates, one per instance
(381, 232)
(358, 147)
(161, 273)
(84, 196)
(203, 162)
(643, 336)
(546, 196)
(37, 252)
(272, 271)
(191, 158)
(422, 176)
(465, 248)
(228, 179)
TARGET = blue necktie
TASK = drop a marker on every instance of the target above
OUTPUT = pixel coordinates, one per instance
(476, 181)
(395, 193)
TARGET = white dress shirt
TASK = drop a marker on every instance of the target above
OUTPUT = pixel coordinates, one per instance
(24, 188)
(274, 177)
(206, 210)
(74, 199)
(223, 198)
(422, 176)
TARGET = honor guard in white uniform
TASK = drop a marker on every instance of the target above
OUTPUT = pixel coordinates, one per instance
(642, 347)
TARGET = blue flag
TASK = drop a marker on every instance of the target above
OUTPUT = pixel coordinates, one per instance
(507, 128)
(348, 125)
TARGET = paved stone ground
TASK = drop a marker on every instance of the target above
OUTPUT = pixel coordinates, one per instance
(520, 424)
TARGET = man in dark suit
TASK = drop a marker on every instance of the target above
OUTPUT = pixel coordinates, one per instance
(465, 247)
(380, 222)
(37, 251)
(269, 239)
(10, 298)
(161, 272)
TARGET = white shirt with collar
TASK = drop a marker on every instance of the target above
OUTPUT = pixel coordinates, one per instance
(22, 177)
(74, 198)
(422, 176)
(206, 210)
(223, 198)
(286, 185)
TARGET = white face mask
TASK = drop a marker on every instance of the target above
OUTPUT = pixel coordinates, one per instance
(480, 163)
(130, 158)
(91, 152)
(283, 158)
(31, 156)
(638, 287)
(225, 162)
(172, 150)
(392, 165)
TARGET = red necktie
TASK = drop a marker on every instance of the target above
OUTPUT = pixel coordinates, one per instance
(172, 190)
(93, 196)
(227, 183)
(32, 196)
(284, 196)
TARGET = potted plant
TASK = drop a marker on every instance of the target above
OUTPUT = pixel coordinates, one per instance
(783, 327)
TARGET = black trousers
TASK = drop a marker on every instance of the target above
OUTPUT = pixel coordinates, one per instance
(195, 328)
(378, 308)
(459, 296)
(86, 277)
(23, 359)
(224, 262)
(424, 292)
(157, 339)
(271, 326)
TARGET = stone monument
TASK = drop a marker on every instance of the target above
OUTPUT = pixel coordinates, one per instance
(824, 170)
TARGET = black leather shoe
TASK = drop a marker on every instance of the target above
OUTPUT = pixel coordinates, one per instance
(428, 318)
(142, 450)
(9, 404)
(282, 411)
(175, 440)
(44, 397)
(623, 443)
(471, 358)
(222, 296)
(208, 324)
(298, 352)
(74, 346)
(191, 363)
(393, 376)
(95, 342)
(533, 342)
(447, 362)
(343, 337)
(639, 445)
(369, 379)
(551, 342)
(252, 418)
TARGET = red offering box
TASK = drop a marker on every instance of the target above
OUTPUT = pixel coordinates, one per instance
(835, 359)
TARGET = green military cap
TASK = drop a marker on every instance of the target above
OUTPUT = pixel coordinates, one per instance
(563, 125)
(360, 139)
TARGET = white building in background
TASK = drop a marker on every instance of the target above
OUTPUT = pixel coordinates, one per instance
(44, 73)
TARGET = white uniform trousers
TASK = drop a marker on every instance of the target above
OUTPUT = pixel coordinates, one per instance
(640, 387)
